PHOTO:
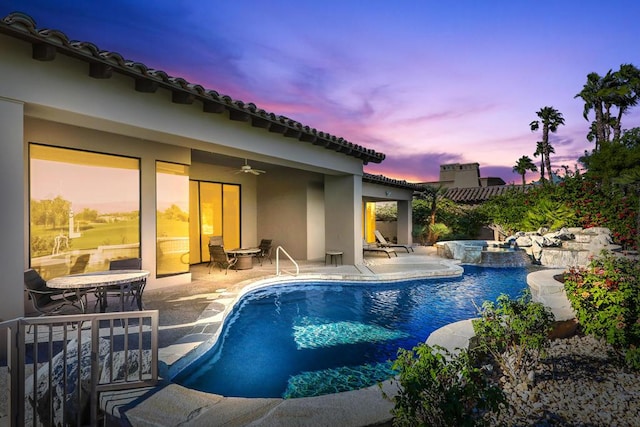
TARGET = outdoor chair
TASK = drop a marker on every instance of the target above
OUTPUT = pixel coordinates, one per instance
(366, 247)
(265, 251)
(80, 264)
(130, 290)
(382, 242)
(49, 301)
(216, 240)
(220, 258)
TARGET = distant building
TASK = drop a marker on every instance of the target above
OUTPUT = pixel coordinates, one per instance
(464, 185)
(467, 175)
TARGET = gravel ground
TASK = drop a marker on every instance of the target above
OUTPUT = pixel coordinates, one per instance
(582, 382)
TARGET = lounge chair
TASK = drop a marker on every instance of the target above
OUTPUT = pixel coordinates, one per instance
(366, 247)
(220, 258)
(382, 242)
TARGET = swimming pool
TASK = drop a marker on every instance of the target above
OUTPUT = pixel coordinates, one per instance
(310, 339)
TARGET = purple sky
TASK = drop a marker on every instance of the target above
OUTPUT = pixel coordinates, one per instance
(425, 82)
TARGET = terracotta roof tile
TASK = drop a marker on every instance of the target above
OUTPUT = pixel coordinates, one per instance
(381, 179)
(22, 26)
(475, 195)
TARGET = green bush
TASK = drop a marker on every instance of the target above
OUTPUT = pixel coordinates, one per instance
(606, 298)
(438, 231)
(578, 200)
(437, 388)
(513, 333)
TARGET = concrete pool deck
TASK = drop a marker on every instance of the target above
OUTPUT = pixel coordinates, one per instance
(191, 318)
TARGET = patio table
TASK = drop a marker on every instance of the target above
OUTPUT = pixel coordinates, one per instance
(245, 257)
(98, 281)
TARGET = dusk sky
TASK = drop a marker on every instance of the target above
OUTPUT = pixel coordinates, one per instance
(424, 82)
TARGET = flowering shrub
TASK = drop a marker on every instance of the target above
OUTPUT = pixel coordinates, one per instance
(597, 206)
(606, 298)
(577, 201)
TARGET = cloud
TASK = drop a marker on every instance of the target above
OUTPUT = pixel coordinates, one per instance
(421, 167)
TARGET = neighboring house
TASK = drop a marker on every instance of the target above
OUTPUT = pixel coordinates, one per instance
(462, 183)
(102, 155)
(466, 175)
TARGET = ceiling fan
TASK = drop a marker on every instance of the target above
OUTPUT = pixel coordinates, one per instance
(246, 168)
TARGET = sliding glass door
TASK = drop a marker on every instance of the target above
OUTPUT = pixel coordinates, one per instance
(215, 209)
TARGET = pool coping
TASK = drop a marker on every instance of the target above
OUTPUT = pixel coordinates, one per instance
(172, 404)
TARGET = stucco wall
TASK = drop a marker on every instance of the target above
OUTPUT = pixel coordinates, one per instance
(13, 212)
(285, 200)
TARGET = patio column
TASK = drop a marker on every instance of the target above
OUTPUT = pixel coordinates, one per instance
(343, 216)
(15, 221)
(405, 222)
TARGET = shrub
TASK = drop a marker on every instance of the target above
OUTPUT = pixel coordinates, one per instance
(606, 298)
(513, 333)
(437, 388)
(438, 231)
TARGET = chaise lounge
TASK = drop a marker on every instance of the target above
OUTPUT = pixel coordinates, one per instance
(366, 247)
(382, 242)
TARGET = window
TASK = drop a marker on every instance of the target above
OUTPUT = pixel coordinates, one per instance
(84, 210)
(172, 218)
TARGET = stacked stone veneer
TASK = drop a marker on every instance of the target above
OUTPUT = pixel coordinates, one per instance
(568, 247)
(485, 252)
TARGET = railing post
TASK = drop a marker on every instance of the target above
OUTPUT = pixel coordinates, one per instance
(95, 369)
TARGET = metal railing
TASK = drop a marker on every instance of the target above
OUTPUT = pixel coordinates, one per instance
(56, 365)
(278, 272)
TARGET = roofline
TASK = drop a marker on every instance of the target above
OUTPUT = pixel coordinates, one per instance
(391, 182)
(102, 64)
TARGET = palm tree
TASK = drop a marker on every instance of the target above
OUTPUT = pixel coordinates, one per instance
(620, 89)
(523, 165)
(550, 119)
(625, 94)
(593, 93)
(540, 152)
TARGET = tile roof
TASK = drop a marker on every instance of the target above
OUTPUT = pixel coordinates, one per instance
(102, 64)
(475, 195)
(381, 179)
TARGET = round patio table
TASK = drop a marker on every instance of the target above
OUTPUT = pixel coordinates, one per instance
(98, 282)
(245, 257)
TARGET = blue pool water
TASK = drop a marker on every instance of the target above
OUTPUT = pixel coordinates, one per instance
(310, 339)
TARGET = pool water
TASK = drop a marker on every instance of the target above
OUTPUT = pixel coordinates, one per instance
(310, 339)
